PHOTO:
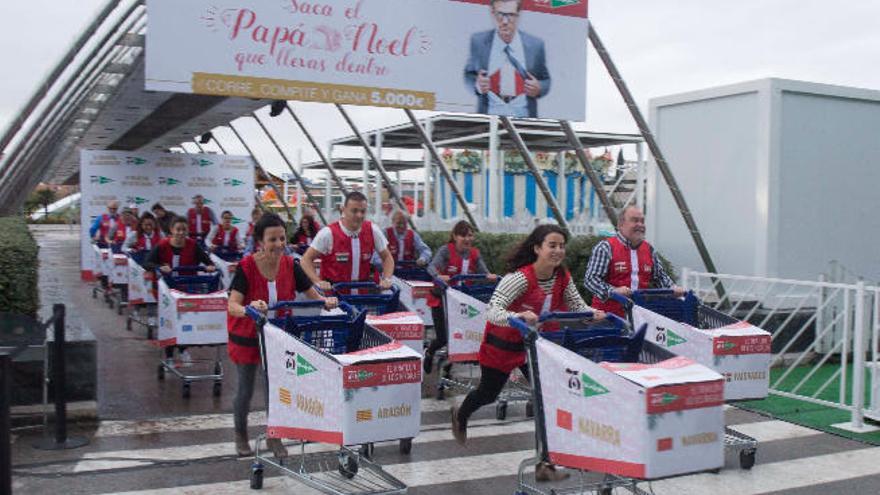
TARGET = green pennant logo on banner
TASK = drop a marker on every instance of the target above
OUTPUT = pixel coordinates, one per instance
(137, 200)
(236, 221)
(674, 339)
(100, 179)
(201, 162)
(232, 182)
(303, 367)
(168, 181)
(591, 387)
(135, 160)
(563, 3)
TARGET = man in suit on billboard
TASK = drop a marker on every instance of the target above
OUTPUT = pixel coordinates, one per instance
(507, 68)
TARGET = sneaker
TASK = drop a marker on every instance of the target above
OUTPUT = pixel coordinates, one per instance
(242, 445)
(459, 431)
(545, 471)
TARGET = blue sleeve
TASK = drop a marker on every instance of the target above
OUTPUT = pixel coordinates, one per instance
(96, 224)
(421, 248)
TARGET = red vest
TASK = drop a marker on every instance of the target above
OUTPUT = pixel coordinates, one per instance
(219, 238)
(155, 239)
(243, 345)
(337, 264)
(105, 224)
(187, 255)
(409, 244)
(206, 222)
(497, 350)
(620, 272)
(250, 230)
(455, 267)
(119, 236)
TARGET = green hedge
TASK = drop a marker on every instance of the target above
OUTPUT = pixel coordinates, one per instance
(18, 268)
(495, 248)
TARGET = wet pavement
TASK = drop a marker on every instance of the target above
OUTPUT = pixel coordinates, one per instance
(148, 439)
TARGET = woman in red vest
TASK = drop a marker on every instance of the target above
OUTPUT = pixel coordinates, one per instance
(171, 252)
(262, 279)
(308, 229)
(457, 257)
(537, 281)
(224, 236)
(147, 234)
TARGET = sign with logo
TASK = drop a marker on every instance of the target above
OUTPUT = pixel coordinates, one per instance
(171, 179)
(466, 319)
(192, 319)
(386, 53)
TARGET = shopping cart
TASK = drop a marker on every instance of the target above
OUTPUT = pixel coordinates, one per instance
(192, 313)
(372, 300)
(737, 350)
(585, 376)
(415, 284)
(117, 268)
(143, 310)
(226, 261)
(101, 253)
(330, 379)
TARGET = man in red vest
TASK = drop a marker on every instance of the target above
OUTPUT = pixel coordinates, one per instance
(347, 246)
(200, 218)
(404, 243)
(624, 263)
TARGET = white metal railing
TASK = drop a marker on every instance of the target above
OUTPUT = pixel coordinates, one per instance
(816, 326)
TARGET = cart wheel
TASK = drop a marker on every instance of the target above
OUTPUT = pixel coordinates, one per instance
(747, 458)
(218, 389)
(441, 393)
(530, 409)
(501, 410)
(257, 477)
(160, 372)
(128, 323)
(367, 450)
(405, 446)
(348, 466)
(186, 390)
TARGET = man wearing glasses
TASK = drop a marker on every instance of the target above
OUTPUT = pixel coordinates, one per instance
(507, 68)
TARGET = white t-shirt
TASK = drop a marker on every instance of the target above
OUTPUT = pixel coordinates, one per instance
(323, 241)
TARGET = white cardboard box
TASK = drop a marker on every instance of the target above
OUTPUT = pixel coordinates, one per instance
(118, 269)
(191, 319)
(466, 324)
(346, 399)
(100, 257)
(140, 284)
(739, 352)
(636, 420)
(226, 269)
(405, 327)
(414, 296)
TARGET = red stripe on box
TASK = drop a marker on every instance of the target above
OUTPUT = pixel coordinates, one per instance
(135, 302)
(166, 342)
(664, 444)
(741, 345)
(308, 434)
(564, 419)
(464, 358)
(621, 468)
(87, 275)
(576, 9)
(380, 374)
(402, 331)
(214, 304)
(687, 396)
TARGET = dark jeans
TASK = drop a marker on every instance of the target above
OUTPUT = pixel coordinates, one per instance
(442, 335)
(491, 383)
(242, 403)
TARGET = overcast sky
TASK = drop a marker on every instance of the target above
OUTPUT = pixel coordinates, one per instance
(661, 48)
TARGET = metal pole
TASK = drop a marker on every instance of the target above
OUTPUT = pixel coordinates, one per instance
(59, 388)
(656, 153)
(261, 169)
(5, 425)
(640, 177)
(327, 162)
(260, 204)
(385, 178)
(290, 166)
(595, 181)
(858, 381)
(442, 167)
(530, 162)
(493, 192)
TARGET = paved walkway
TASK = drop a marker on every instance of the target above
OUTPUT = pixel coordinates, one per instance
(149, 440)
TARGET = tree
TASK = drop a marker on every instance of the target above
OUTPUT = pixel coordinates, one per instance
(44, 198)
